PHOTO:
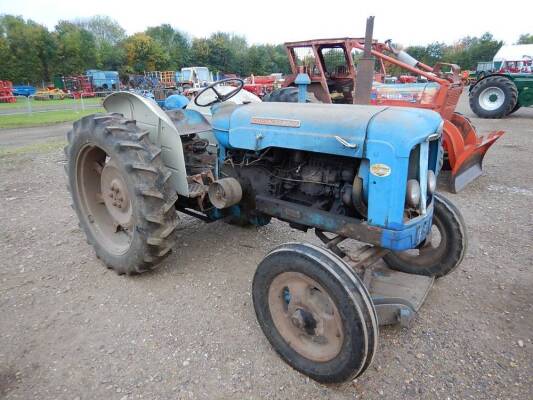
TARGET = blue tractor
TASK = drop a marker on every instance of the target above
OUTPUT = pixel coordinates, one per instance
(362, 177)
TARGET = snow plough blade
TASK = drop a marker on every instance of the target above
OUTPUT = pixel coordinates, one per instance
(465, 150)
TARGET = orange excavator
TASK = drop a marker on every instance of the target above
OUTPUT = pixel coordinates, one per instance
(332, 67)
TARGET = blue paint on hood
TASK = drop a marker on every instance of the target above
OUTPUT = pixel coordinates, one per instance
(318, 127)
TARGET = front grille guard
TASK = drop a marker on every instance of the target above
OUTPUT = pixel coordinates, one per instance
(423, 170)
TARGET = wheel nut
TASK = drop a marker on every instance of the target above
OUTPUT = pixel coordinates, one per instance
(297, 319)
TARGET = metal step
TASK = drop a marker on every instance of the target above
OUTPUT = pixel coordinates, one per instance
(397, 296)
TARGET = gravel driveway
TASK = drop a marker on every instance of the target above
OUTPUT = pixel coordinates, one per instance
(71, 329)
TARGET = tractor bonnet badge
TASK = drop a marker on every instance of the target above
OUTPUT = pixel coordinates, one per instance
(381, 170)
(289, 123)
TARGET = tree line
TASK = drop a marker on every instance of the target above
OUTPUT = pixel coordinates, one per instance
(29, 52)
(466, 53)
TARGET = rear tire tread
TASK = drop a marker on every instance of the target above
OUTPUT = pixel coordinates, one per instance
(151, 188)
(502, 82)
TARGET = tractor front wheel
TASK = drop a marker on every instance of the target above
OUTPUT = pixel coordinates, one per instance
(315, 312)
(121, 192)
(493, 97)
(442, 251)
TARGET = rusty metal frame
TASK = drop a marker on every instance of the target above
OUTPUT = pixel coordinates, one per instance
(348, 44)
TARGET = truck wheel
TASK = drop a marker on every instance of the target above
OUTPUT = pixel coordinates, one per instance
(120, 192)
(493, 97)
(315, 312)
(442, 251)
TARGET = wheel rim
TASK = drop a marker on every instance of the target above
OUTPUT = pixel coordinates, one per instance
(431, 249)
(104, 199)
(306, 316)
(491, 98)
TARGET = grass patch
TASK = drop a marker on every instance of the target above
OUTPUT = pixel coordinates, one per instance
(44, 118)
(22, 103)
(33, 148)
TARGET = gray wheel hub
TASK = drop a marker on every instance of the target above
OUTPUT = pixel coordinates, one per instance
(491, 98)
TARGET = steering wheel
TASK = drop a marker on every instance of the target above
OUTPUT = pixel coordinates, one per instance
(219, 96)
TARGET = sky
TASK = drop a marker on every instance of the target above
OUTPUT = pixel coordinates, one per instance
(275, 21)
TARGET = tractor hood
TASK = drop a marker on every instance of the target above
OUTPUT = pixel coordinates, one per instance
(341, 129)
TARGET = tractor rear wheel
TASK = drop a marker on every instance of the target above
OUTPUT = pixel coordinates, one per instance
(493, 97)
(442, 251)
(121, 192)
(315, 312)
(284, 95)
(287, 95)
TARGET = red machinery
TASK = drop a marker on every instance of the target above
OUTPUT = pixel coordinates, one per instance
(6, 92)
(406, 79)
(78, 86)
(330, 65)
(259, 85)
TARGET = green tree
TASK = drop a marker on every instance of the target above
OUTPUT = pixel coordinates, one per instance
(239, 49)
(27, 50)
(143, 54)
(175, 45)
(107, 34)
(526, 38)
(481, 49)
(220, 52)
(76, 49)
(256, 62)
(199, 52)
(466, 53)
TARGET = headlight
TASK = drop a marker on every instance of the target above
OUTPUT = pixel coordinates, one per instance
(432, 182)
(412, 194)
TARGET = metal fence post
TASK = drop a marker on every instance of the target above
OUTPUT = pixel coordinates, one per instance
(28, 102)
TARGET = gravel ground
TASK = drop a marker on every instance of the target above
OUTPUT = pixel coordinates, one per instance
(71, 329)
(13, 138)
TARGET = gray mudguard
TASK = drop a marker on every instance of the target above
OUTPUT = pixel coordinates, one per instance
(162, 131)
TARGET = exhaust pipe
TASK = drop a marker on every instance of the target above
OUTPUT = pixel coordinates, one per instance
(365, 68)
(401, 55)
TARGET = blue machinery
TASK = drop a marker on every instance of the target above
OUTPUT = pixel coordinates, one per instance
(348, 172)
(363, 133)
